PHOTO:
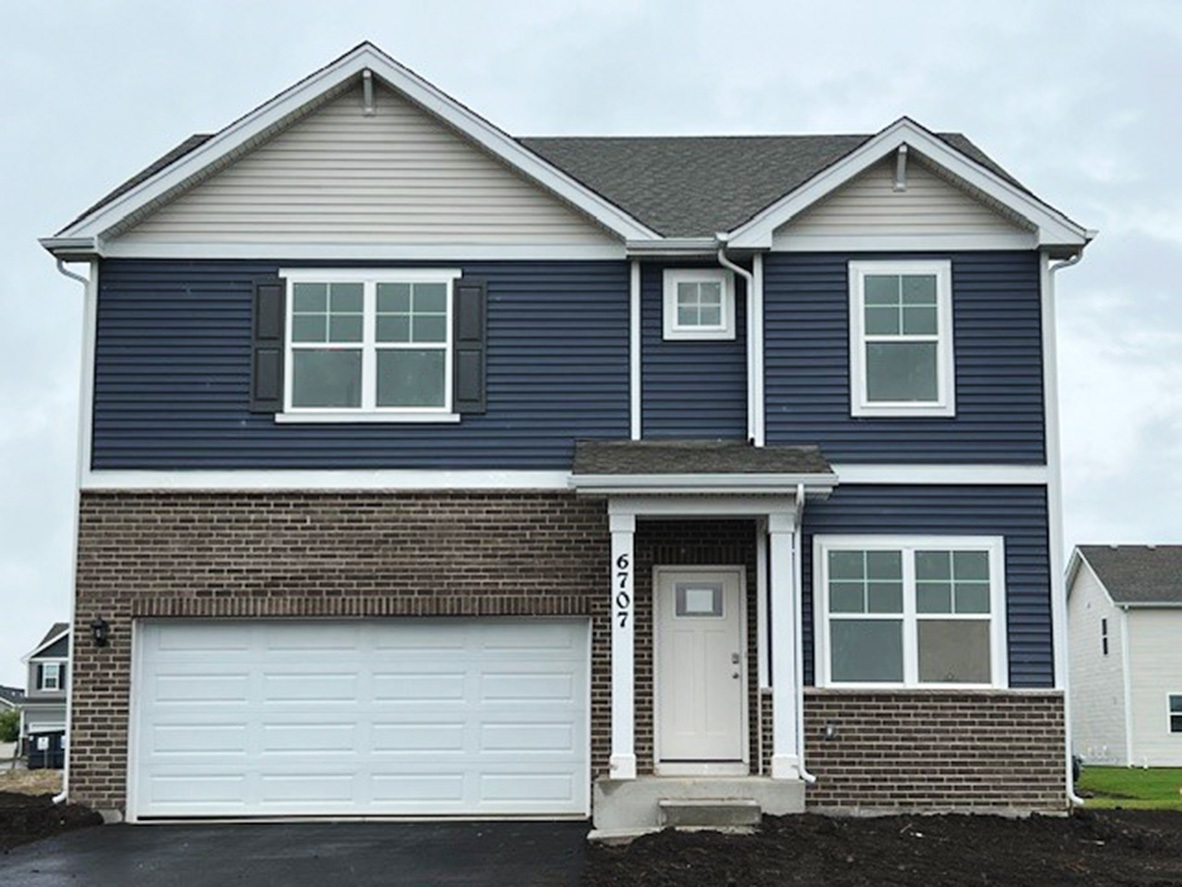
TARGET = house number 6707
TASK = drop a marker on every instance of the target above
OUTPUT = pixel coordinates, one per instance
(623, 596)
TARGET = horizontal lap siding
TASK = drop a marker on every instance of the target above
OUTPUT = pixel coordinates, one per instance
(172, 367)
(691, 389)
(998, 352)
(1017, 513)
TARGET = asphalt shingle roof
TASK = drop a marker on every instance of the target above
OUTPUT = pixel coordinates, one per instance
(694, 457)
(1138, 574)
(12, 695)
(680, 186)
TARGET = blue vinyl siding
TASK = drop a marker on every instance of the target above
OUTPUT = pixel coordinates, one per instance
(691, 389)
(998, 354)
(172, 366)
(1017, 513)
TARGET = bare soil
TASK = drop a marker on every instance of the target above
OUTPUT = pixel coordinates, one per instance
(27, 817)
(1110, 847)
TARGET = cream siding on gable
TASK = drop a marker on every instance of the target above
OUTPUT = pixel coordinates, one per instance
(398, 177)
(869, 207)
(1097, 684)
(1155, 671)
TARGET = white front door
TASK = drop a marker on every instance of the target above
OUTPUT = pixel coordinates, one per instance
(700, 671)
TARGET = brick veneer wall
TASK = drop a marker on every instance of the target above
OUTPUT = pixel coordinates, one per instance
(935, 749)
(681, 543)
(243, 554)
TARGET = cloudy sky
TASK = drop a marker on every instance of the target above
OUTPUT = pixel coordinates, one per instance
(1080, 101)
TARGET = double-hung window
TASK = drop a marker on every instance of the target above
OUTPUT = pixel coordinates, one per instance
(369, 344)
(699, 303)
(51, 676)
(910, 611)
(901, 352)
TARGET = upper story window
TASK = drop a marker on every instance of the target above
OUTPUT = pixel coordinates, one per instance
(1175, 706)
(910, 611)
(699, 303)
(49, 676)
(376, 343)
(901, 356)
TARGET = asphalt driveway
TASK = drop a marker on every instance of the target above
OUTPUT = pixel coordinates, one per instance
(296, 854)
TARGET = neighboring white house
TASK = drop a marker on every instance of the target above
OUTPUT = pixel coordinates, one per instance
(1124, 611)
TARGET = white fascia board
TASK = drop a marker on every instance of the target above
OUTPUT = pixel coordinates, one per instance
(291, 101)
(1053, 227)
(702, 484)
(1150, 605)
(674, 246)
(304, 480)
(1005, 475)
(49, 642)
(718, 505)
(361, 251)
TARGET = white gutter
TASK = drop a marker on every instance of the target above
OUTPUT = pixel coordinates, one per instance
(1055, 507)
(754, 433)
(90, 294)
(809, 778)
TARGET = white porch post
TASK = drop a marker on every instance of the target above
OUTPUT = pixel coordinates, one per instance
(622, 763)
(785, 763)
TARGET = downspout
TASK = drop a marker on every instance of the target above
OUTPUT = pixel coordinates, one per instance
(809, 778)
(82, 420)
(1055, 505)
(754, 434)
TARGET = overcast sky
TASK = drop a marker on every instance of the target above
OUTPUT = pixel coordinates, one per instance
(1079, 101)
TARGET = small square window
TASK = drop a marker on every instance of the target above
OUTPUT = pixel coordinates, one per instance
(699, 303)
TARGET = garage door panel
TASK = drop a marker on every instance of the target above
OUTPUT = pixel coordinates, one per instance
(395, 717)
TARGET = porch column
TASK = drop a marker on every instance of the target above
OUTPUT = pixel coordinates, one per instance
(785, 763)
(622, 764)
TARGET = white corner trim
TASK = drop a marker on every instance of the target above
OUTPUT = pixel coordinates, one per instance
(275, 112)
(634, 352)
(672, 330)
(755, 345)
(338, 252)
(1126, 687)
(1006, 475)
(944, 406)
(1053, 226)
(326, 479)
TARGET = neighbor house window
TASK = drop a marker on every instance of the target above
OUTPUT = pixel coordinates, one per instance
(901, 356)
(373, 342)
(51, 676)
(910, 611)
(699, 303)
(1104, 636)
(1176, 712)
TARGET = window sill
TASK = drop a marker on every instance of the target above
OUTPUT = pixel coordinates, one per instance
(355, 416)
(904, 411)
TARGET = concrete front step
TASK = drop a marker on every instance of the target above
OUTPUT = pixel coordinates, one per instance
(644, 803)
(709, 812)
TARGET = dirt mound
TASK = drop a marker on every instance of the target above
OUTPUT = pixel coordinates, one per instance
(1110, 847)
(25, 818)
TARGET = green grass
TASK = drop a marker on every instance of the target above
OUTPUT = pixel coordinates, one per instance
(1158, 788)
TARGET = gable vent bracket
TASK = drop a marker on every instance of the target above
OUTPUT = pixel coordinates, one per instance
(368, 108)
(901, 169)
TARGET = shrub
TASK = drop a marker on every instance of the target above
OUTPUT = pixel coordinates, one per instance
(10, 725)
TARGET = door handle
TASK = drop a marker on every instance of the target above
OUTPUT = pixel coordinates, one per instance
(735, 658)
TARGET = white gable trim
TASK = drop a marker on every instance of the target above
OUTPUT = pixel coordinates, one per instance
(279, 110)
(1053, 228)
(1073, 567)
(48, 642)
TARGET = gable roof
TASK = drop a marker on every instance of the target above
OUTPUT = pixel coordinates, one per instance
(642, 189)
(12, 697)
(55, 633)
(1137, 574)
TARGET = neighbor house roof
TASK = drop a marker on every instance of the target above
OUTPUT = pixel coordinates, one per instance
(12, 696)
(1137, 574)
(59, 630)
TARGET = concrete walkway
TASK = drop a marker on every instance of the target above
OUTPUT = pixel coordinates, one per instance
(314, 854)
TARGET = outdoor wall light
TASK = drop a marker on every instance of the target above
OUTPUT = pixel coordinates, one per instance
(100, 631)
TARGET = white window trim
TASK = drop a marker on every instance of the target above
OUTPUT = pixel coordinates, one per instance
(369, 278)
(43, 682)
(998, 650)
(672, 329)
(1169, 726)
(945, 402)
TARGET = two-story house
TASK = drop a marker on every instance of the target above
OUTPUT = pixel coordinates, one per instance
(43, 709)
(433, 471)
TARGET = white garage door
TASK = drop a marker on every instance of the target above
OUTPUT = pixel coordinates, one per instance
(367, 717)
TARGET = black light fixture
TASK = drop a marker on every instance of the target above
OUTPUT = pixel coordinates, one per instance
(100, 631)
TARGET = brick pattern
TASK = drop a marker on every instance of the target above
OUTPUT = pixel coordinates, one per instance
(935, 749)
(673, 543)
(241, 554)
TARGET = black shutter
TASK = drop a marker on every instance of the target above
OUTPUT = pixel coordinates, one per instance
(470, 335)
(40, 685)
(266, 353)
